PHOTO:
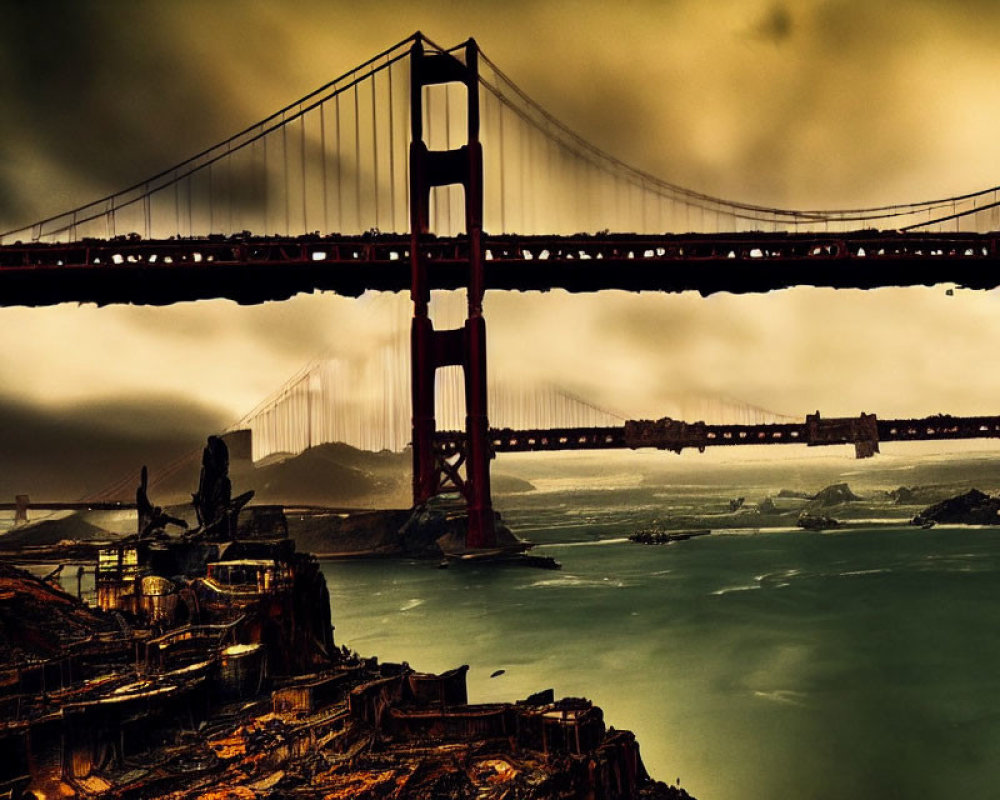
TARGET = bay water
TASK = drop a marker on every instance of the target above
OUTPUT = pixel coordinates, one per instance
(762, 661)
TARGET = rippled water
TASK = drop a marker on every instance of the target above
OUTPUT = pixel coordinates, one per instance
(776, 664)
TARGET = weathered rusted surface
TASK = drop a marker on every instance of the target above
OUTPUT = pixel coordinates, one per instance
(209, 670)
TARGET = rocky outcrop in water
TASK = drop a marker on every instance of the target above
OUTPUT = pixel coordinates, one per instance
(921, 495)
(834, 495)
(972, 508)
(795, 495)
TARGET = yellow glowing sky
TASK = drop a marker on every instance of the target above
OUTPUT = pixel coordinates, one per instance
(797, 104)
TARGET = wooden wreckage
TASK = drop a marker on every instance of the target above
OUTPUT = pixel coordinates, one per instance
(208, 669)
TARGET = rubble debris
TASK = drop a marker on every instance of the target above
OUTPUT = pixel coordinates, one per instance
(151, 520)
(209, 670)
(213, 502)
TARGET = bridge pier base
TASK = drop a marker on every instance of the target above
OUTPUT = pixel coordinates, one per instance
(479, 452)
(21, 503)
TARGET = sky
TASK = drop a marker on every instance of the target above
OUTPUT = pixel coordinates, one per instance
(800, 103)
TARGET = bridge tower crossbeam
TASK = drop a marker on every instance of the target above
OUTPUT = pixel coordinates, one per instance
(433, 470)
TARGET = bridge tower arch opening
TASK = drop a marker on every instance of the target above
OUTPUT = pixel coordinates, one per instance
(435, 471)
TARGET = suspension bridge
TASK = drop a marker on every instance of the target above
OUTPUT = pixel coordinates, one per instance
(429, 168)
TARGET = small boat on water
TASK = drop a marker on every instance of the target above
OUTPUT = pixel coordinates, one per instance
(499, 556)
(817, 522)
(659, 536)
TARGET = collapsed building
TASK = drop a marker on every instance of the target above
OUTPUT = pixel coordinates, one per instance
(208, 668)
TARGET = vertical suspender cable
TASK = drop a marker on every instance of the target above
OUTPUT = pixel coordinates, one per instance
(189, 180)
(322, 144)
(529, 198)
(503, 178)
(447, 146)
(229, 188)
(177, 205)
(519, 198)
(392, 158)
(284, 150)
(642, 201)
(302, 155)
(211, 200)
(357, 156)
(374, 148)
(267, 185)
(340, 189)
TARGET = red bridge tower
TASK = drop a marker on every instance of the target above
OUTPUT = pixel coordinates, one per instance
(433, 471)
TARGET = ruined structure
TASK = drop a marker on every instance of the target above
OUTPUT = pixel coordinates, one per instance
(208, 669)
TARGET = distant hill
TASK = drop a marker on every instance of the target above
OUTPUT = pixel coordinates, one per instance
(335, 475)
(329, 474)
(341, 475)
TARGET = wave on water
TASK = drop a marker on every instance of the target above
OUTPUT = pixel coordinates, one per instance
(951, 556)
(744, 588)
(572, 485)
(786, 696)
(576, 582)
(746, 531)
(556, 526)
(409, 605)
(596, 543)
(859, 572)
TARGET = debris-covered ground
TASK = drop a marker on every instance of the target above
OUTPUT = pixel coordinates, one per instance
(208, 670)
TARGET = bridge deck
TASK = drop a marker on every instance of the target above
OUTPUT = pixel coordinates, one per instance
(256, 269)
(675, 435)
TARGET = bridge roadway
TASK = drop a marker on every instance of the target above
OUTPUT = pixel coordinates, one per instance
(250, 269)
(79, 505)
(864, 432)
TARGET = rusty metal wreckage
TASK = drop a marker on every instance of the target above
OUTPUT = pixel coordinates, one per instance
(209, 669)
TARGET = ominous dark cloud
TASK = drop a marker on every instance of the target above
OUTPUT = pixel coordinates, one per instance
(111, 92)
(776, 25)
(844, 111)
(69, 452)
